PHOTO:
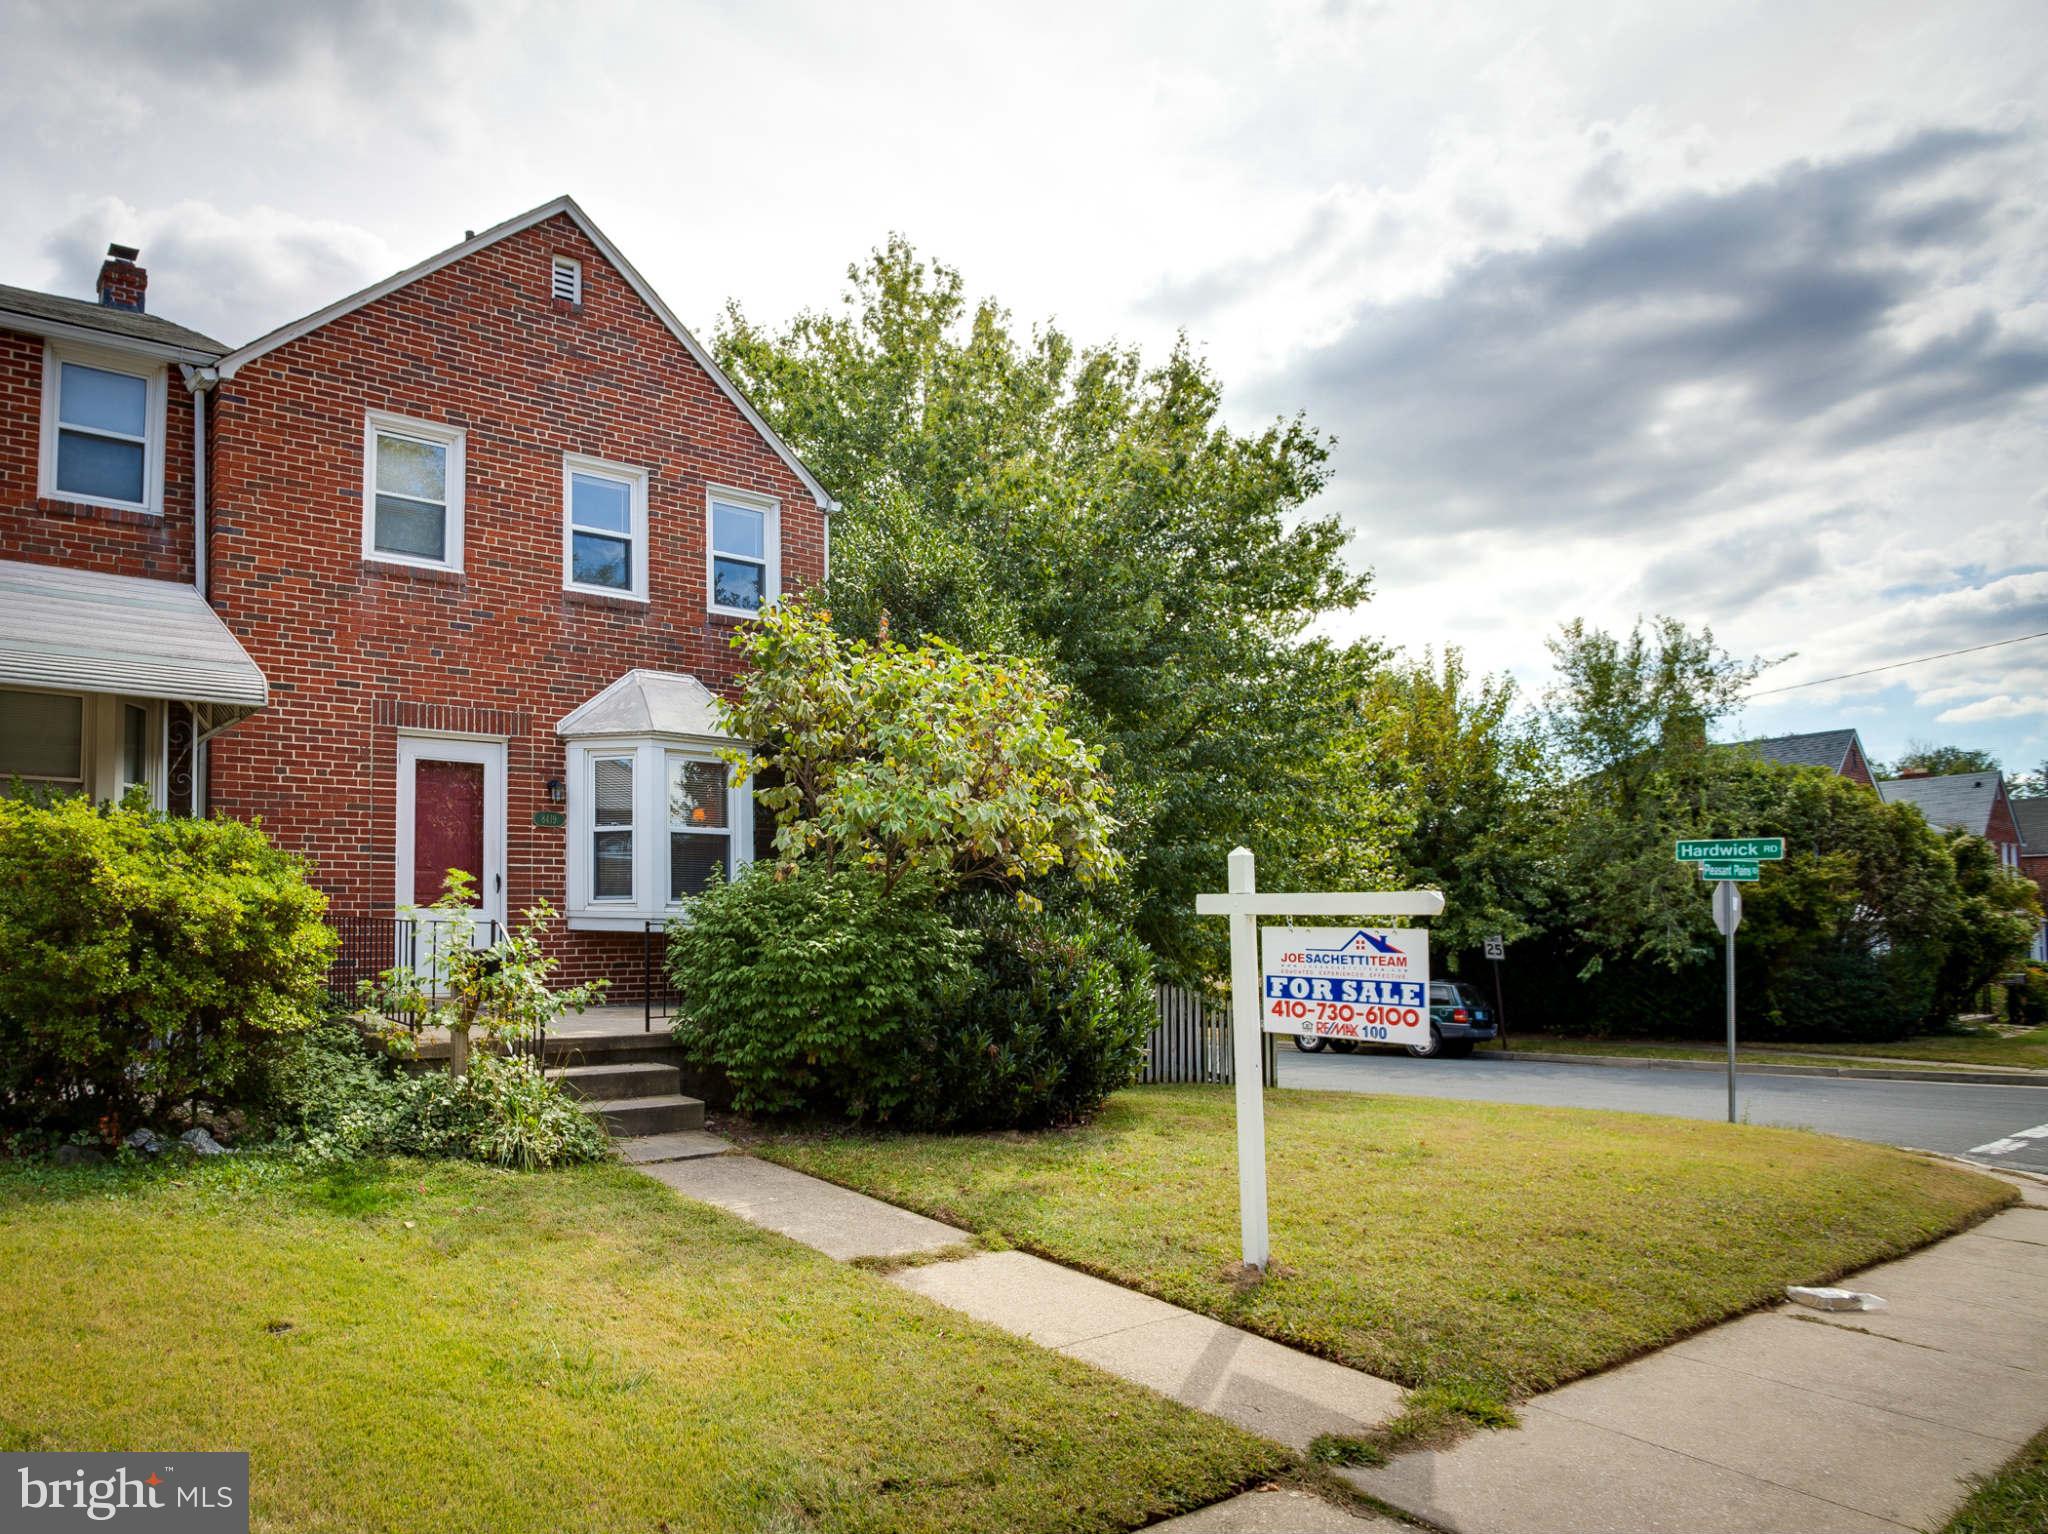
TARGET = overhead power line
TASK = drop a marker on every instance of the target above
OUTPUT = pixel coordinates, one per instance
(1918, 660)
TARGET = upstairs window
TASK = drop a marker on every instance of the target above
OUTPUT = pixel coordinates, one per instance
(102, 441)
(568, 279)
(604, 533)
(745, 552)
(412, 492)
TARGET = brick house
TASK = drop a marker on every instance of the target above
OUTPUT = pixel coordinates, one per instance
(1975, 802)
(472, 543)
(2031, 817)
(1839, 751)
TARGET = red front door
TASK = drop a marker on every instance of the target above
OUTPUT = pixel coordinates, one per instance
(447, 828)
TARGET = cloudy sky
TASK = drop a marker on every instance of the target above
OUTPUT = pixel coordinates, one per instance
(1732, 311)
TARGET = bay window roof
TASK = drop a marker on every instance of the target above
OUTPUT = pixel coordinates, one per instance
(648, 703)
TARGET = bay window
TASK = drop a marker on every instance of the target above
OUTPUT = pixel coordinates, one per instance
(652, 821)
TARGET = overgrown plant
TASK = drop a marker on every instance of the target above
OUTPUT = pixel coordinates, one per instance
(503, 988)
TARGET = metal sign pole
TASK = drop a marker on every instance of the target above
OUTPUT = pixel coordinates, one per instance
(1246, 1043)
(1500, 1007)
(1728, 916)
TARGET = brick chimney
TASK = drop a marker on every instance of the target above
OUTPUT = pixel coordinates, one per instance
(122, 282)
(1915, 772)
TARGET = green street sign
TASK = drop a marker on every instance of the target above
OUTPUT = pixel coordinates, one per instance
(1740, 873)
(1741, 849)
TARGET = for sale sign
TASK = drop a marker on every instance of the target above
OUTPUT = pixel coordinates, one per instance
(1365, 983)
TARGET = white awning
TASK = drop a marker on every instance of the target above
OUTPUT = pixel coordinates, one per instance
(643, 703)
(84, 631)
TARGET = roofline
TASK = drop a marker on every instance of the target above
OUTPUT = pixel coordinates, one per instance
(111, 340)
(232, 362)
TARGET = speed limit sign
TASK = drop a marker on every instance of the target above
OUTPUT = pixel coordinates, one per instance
(1496, 948)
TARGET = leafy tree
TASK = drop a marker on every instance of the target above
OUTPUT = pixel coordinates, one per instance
(931, 761)
(1030, 494)
(1997, 914)
(1941, 761)
(1466, 788)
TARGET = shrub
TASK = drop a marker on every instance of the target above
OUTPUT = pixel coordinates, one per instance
(2026, 999)
(149, 961)
(1056, 1020)
(811, 988)
(339, 1103)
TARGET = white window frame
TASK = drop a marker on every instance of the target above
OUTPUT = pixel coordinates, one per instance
(154, 374)
(669, 828)
(750, 500)
(455, 440)
(649, 902)
(488, 751)
(587, 780)
(574, 268)
(574, 464)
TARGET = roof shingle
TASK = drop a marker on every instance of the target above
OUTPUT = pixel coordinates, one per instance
(87, 315)
(1961, 801)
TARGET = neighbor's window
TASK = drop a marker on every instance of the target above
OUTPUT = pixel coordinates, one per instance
(611, 837)
(42, 740)
(102, 429)
(413, 473)
(699, 824)
(745, 557)
(604, 548)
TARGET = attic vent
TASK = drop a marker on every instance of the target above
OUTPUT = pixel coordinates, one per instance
(569, 279)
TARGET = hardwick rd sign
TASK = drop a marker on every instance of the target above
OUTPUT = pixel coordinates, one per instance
(1739, 849)
(1741, 873)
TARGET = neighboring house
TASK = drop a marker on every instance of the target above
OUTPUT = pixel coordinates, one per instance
(1839, 751)
(485, 529)
(2031, 816)
(1975, 802)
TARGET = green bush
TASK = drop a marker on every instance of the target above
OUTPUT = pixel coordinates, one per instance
(2026, 1000)
(1057, 1018)
(810, 988)
(150, 962)
(820, 992)
(336, 1101)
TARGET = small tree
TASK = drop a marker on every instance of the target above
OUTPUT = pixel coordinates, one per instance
(503, 988)
(927, 761)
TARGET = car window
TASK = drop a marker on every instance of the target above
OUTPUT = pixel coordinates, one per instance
(1443, 994)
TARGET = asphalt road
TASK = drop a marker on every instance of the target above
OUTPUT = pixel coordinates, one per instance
(1985, 1123)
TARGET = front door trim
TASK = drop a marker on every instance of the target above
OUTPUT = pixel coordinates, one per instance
(415, 746)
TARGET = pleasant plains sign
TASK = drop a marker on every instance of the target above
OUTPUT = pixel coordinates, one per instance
(1364, 983)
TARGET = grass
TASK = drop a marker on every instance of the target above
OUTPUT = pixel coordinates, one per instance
(439, 1347)
(1462, 1245)
(2027, 1050)
(2015, 1501)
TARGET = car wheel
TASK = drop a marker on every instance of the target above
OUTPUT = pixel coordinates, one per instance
(1458, 1049)
(1432, 1049)
(1308, 1043)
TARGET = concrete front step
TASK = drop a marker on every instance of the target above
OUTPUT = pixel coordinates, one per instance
(605, 1083)
(665, 1114)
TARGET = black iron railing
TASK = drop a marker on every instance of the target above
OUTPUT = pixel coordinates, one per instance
(657, 991)
(370, 945)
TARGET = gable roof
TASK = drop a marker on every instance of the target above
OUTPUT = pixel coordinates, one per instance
(1961, 801)
(1818, 748)
(2031, 816)
(566, 207)
(44, 314)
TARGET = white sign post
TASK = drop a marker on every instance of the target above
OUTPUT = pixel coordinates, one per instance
(1244, 905)
(1727, 917)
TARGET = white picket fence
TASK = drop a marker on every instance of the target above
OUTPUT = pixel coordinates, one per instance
(1191, 1041)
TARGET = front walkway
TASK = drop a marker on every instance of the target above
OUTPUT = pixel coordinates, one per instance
(1786, 1421)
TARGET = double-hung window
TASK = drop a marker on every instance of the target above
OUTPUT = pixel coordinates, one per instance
(745, 552)
(103, 429)
(412, 492)
(611, 835)
(699, 824)
(604, 531)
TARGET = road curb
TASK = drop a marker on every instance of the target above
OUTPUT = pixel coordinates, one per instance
(1745, 1068)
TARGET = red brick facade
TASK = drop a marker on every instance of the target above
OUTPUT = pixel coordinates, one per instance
(1855, 768)
(357, 650)
(88, 537)
(360, 653)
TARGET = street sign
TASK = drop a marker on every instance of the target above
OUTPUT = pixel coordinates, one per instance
(1496, 948)
(1727, 909)
(1743, 849)
(1369, 984)
(1742, 873)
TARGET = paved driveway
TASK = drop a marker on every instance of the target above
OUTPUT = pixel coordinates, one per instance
(1987, 1123)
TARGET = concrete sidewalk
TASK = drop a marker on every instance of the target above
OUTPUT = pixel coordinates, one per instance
(1789, 1421)
(1260, 1385)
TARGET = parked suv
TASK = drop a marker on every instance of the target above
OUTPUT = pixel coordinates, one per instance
(1458, 1019)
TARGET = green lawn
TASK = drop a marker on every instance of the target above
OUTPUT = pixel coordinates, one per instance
(2027, 1050)
(1431, 1242)
(437, 1347)
(2015, 1501)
